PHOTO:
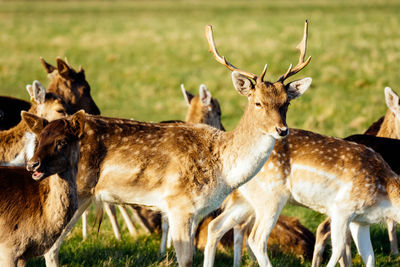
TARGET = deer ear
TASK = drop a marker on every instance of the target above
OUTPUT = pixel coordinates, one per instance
(48, 67)
(297, 88)
(188, 96)
(34, 123)
(205, 95)
(39, 92)
(242, 84)
(392, 100)
(29, 88)
(65, 70)
(77, 121)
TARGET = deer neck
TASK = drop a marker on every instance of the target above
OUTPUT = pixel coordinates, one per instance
(62, 198)
(244, 151)
(390, 127)
(13, 141)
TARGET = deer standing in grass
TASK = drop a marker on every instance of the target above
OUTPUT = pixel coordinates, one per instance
(387, 126)
(17, 144)
(75, 90)
(33, 212)
(184, 170)
(349, 182)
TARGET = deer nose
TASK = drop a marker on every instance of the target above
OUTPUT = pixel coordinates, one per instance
(282, 131)
(31, 166)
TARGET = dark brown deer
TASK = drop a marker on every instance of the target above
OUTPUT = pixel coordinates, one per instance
(33, 212)
(183, 170)
(71, 85)
(10, 111)
(17, 144)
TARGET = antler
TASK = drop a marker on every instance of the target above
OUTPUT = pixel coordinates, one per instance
(302, 46)
(222, 60)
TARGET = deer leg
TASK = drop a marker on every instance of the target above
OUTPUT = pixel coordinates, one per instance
(229, 218)
(362, 239)
(51, 255)
(321, 238)
(182, 237)
(129, 223)
(138, 220)
(85, 216)
(238, 234)
(112, 215)
(266, 217)
(346, 260)
(164, 236)
(339, 229)
(391, 226)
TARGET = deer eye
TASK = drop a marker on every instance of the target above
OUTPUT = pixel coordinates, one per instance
(60, 111)
(258, 104)
(60, 144)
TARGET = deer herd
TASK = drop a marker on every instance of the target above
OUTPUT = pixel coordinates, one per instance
(192, 180)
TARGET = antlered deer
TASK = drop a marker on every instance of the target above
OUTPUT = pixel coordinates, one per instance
(184, 170)
(33, 212)
(17, 144)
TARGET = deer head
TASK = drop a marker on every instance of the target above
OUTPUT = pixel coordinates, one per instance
(203, 108)
(71, 85)
(268, 102)
(58, 144)
(48, 105)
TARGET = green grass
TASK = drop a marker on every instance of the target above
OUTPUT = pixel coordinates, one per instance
(137, 53)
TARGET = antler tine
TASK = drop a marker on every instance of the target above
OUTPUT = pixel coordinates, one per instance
(261, 77)
(222, 60)
(302, 47)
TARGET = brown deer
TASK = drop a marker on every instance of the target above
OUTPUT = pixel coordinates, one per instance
(387, 126)
(71, 85)
(183, 170)
(75, 90)
(33, 212)
(10, 111)
(17, 144)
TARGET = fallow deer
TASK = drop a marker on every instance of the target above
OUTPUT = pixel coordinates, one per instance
(387, 126)
(10, 111)
(17, 144)
(33, 212)
(71, 85)
(184, 170)
(349, 182)
(75, 90)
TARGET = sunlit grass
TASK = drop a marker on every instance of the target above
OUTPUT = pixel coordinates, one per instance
(137, 53)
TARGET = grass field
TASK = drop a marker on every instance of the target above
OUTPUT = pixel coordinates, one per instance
(137, 53)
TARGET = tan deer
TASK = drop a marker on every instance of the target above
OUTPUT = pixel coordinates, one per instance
(33, 212)
(17, 144)
(183, 170)
(387, 126)
(349, 182)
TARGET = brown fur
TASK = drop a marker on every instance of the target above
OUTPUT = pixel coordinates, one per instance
(71, 85)
(10, 111)
(12, 141)
(34, 213)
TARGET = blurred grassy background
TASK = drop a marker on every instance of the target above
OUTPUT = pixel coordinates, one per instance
(137, 53)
